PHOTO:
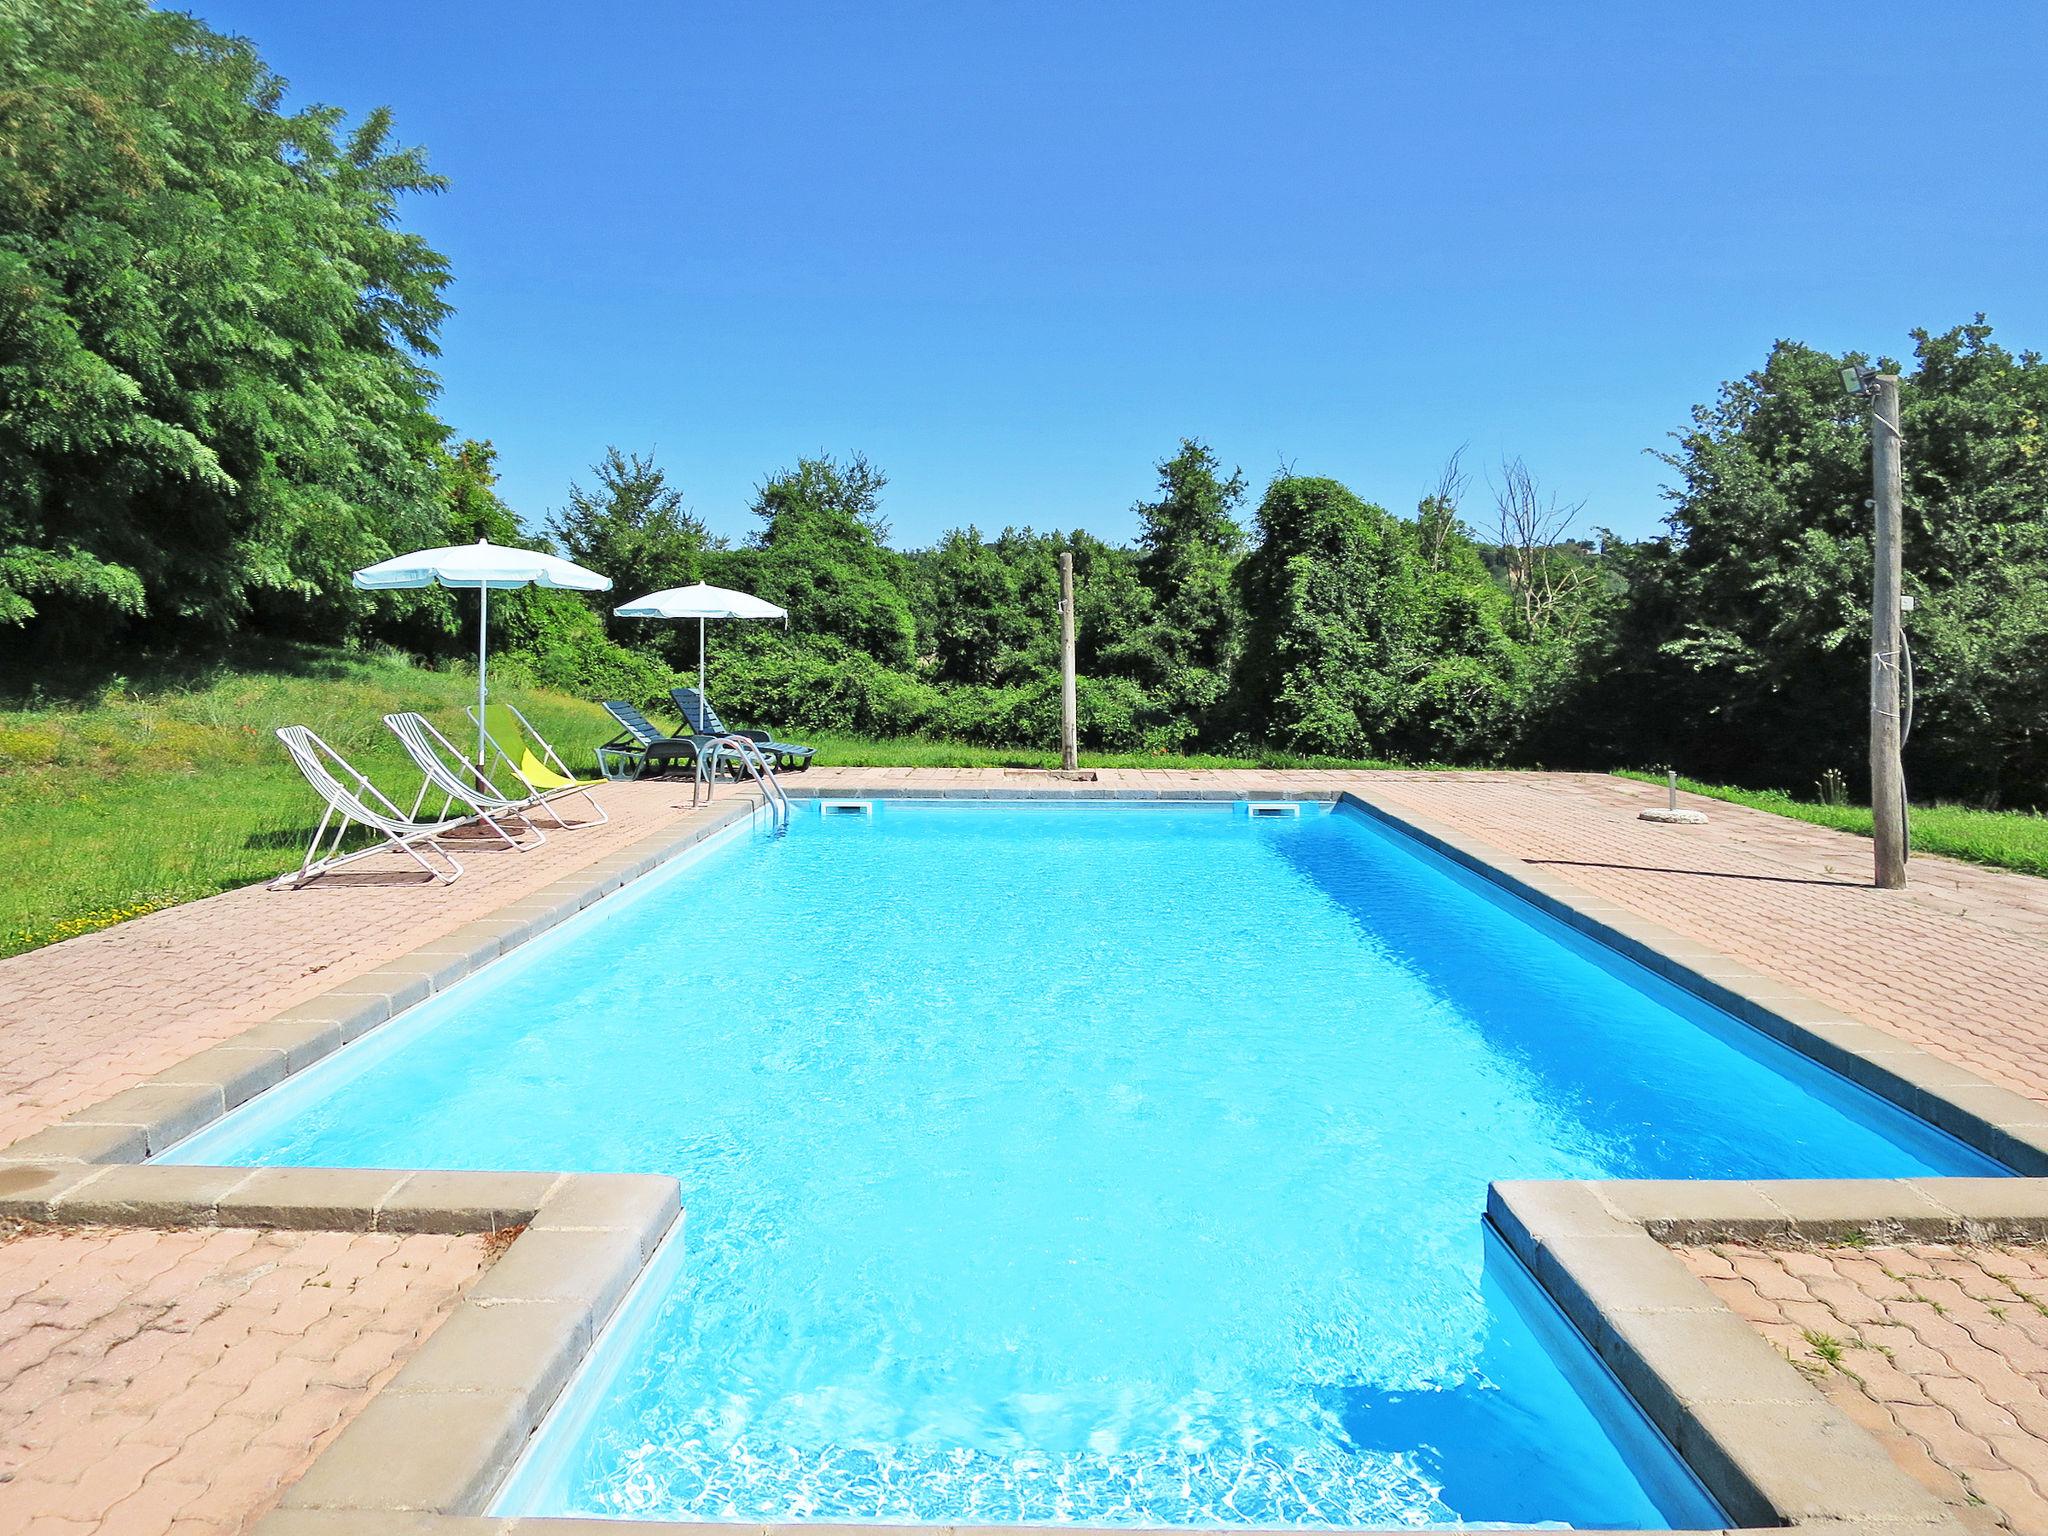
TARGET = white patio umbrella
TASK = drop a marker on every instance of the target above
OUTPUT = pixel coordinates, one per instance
(482, 565)
(700, 602)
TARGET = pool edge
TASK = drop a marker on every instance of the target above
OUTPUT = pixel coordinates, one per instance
(1770, 1447)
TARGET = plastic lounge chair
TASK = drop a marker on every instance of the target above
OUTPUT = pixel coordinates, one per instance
(545, 776)
(464, 784)
(702, 717)
(357, 802)
(641, 746)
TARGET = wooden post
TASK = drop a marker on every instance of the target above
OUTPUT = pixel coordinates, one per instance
(1070, 724)
(1887, 774)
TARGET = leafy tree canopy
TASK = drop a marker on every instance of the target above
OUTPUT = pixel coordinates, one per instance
(213, 395)
(1189, 542)
(634, 528)
(1355, 644)
(822, 553)
(1742, 649)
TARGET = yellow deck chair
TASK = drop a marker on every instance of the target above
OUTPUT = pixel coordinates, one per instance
(511, 736)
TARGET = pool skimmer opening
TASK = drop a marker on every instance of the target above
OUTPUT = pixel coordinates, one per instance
(1256, 808)
(846, 807)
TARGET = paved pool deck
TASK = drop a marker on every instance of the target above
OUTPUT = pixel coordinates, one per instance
(1957, 965)
(156, 1382)
(1939, 1350)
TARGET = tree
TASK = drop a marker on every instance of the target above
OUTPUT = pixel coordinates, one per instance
(1189, 542)
(634, 528)
(822, 553)
(433, 621)
(1438, 523)
(1739, 650)
(475, 511)
(213, 334)
(1355, 646)
(1547, 576)
(987, 616)
(1112, 607)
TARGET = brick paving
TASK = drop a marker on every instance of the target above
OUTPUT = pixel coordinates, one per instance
(175, 1382)
(1940, 1352)
(1958, 963)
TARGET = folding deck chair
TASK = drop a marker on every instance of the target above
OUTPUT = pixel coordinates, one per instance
(545, 776)
(466, 785)
(358, 803)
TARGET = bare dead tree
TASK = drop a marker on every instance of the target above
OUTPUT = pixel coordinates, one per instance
(1436, 517)
(1544, 577)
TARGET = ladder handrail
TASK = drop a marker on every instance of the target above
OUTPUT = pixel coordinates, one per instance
(756, 763)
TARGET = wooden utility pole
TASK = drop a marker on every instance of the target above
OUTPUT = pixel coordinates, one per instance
(1070, 721)
(1887, 774)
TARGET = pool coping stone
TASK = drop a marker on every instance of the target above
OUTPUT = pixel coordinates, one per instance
(1767, 1444)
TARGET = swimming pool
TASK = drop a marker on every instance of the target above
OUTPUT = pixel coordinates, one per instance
(1110, 1164)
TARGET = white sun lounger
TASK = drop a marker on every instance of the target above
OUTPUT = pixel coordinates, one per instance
(465, 784)
(358, 803)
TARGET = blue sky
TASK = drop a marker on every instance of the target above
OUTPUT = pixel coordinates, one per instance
(1014, 251)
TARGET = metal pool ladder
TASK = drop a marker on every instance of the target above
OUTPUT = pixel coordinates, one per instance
(755, 761)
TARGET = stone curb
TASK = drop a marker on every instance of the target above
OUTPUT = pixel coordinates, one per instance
(808, 792)
(1769, 1447)
(296, 1522)
(140, 1122)
(443, 1434)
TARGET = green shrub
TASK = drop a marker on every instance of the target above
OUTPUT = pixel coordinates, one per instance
(554, 640)
(824, 687)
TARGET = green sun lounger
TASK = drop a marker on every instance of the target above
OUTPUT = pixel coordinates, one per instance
(641, 747)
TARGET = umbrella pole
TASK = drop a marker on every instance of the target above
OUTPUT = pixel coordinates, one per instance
(703, 703)
(483, 639)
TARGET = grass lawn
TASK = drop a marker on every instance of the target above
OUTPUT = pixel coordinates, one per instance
(155, 795)
(2004, 839)
(145, 799)
(918, 752)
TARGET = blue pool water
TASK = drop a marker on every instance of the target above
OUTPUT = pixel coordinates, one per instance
(1103, 1164)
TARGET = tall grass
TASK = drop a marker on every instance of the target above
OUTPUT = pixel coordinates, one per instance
(2016, 840)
